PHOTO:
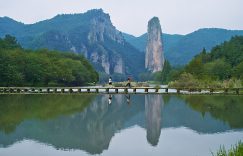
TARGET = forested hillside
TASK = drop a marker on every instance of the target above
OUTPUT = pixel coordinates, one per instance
(224, 63)
(21, 67)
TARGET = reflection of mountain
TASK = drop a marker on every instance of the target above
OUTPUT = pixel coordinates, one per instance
(92, 128)
(225, 108)
(15, 109)
(153, 108)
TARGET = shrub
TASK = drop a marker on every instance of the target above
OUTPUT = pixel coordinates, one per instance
(236, 150)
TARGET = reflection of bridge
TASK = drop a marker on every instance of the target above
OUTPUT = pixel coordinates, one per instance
(115, 90)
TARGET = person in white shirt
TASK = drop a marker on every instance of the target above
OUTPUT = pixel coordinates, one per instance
(110, 81)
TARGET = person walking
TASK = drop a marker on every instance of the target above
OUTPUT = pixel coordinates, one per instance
(110, 81)
(128, 82)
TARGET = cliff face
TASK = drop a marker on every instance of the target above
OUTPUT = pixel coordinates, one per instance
(100, 29)
(154, 57)
(91, 34)
(86, 33)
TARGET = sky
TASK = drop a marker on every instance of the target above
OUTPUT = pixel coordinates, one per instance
(132, 16)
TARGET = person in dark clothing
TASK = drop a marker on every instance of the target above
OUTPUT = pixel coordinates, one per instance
(110, 81)
(128, 82)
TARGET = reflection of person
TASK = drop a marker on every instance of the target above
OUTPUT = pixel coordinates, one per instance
(128, 82)
(110, 99)
(128, 99)
(110, 81)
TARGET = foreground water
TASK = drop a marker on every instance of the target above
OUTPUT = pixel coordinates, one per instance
(56, 125)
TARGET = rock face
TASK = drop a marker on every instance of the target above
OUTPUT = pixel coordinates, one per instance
(101, 27)
(154, 57)
(91, 34)
(101, 30)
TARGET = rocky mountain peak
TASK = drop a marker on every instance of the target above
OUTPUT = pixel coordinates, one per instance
(154, 57)
(102, 27)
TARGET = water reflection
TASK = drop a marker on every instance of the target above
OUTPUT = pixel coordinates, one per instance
(89, 122)
(153, 108)
(128, 97)
(110, 99)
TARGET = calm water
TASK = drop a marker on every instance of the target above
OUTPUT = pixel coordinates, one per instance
(56, 125)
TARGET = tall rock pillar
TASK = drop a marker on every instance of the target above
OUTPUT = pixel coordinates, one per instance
(154, 57)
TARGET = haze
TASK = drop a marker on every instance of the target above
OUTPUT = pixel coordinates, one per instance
(131, 16)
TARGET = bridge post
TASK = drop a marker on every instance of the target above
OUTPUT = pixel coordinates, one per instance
(146, 90)
(88, 90)
(11, 90)
(126, 90)
(211, 91)
(116, 90)
(226, 90)
(178, 91)
(166, 90)
(134, 90)
(25, 90)
(237, 91)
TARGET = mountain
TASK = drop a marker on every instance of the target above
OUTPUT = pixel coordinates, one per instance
(91, 34)
(110, 51)
(224, 61)
(180, 49)
(154, 56)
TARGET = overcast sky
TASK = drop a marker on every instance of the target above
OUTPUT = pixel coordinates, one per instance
(131, 16)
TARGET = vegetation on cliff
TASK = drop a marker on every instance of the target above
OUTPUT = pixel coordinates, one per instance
(21, 67)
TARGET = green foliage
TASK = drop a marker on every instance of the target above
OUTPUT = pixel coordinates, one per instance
(19, 67)
(14, 109)
(222, 67)
(236, 150)
(224, 108)
(72, 31)
(186, 80)
(145, 76)
(164, 75)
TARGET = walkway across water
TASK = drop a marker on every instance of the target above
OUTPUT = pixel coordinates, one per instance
(118, 90)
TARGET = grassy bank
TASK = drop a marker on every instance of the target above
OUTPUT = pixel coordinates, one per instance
(236, 150)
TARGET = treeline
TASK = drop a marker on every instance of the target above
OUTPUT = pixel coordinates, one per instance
(222, 67)
(168, 74)
(21, 67)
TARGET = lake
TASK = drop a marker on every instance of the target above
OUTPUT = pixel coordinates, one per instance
(118, 125)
